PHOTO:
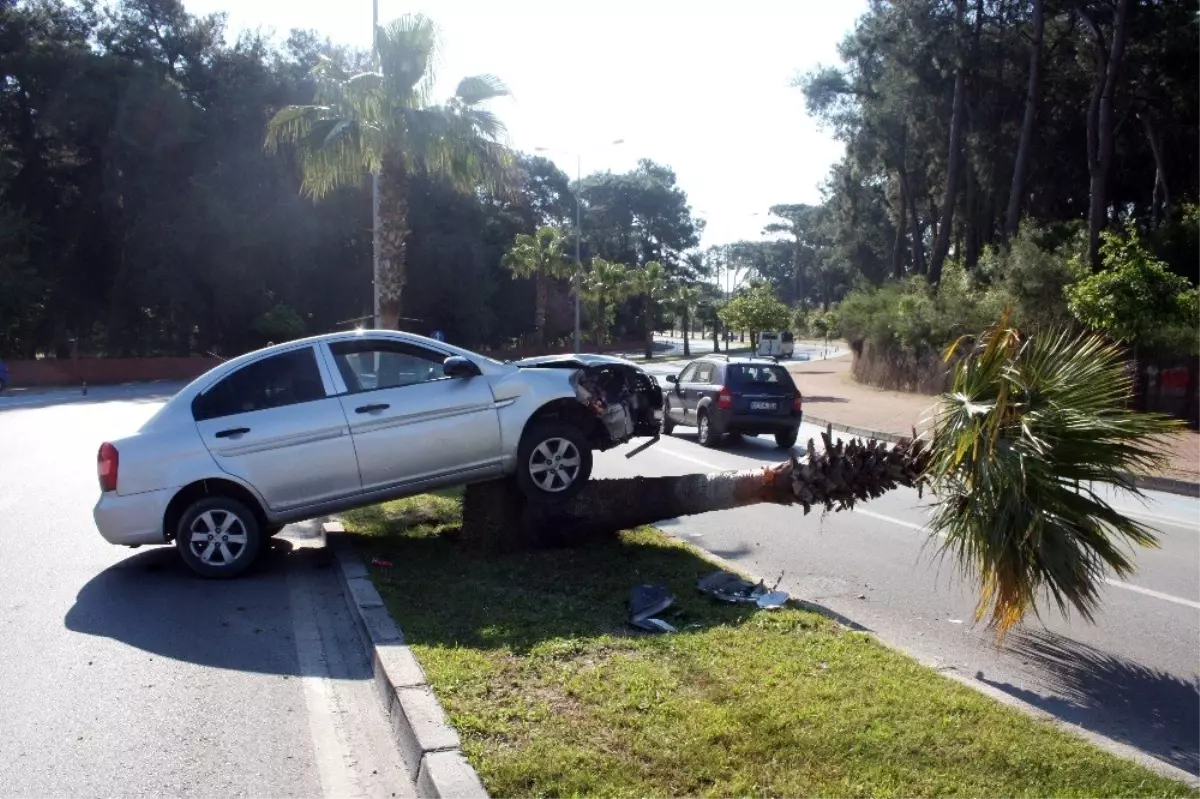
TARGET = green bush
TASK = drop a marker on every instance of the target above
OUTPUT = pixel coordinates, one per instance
(1029, 278)
(1136, 299)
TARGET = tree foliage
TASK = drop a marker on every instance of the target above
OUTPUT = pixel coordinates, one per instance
(756, 310)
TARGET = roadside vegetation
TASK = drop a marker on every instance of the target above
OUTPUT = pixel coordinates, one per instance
(555, 695)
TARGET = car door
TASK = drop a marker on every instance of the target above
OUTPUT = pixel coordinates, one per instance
(410, 423)
(274, 424)
(676, 397)
(699, 388)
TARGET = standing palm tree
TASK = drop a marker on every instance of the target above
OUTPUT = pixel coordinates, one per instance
(540, 257)
(1029, 425)
(605, 284)
(651, 283)
(385, 122)
(686, 297)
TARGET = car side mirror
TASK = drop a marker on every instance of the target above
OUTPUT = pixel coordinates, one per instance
(672, 378)
(458, 366)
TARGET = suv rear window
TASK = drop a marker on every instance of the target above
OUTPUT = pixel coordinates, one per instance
(756, 374)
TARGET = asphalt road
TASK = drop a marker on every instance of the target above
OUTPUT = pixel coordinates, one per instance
(1132, 675)
(125, 676)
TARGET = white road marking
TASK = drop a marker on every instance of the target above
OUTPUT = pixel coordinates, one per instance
(914, 526)
(332, 755)
(1151, 592)
(1168, 520)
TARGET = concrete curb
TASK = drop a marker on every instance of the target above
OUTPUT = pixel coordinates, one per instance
(1169, 485)
(429, 745)
(1110, 745)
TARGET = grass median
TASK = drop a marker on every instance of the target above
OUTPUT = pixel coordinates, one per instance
(555, 695)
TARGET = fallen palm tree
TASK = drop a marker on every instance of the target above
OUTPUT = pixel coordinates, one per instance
(1030, 426)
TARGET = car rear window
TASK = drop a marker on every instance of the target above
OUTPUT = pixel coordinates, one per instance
(765, 374)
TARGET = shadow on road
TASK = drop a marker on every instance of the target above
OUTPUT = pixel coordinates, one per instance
(808, 398)
(152, 602)
(1154, 711)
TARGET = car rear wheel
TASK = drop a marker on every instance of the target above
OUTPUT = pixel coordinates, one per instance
(218, 537)
(786, 439)
(704, 431)
(553, 462)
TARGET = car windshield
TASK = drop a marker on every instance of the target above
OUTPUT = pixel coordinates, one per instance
(764, 374)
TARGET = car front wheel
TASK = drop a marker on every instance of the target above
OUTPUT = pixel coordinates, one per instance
(218, 537)
(553, 462)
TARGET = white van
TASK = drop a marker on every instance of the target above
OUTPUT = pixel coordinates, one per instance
(776, 344)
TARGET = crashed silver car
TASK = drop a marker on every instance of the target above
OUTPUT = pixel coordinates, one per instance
(312, 427)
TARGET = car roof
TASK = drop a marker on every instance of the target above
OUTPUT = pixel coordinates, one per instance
(185, 395)
(736, 359)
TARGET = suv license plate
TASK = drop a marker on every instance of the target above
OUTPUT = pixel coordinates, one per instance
(763, 406)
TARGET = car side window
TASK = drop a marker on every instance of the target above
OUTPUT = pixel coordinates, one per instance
(704, 374)
(688, 374)
(373, 364)
(288, 378)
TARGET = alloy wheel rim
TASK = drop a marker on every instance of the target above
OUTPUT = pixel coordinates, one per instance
(554, 465)
(218, 537)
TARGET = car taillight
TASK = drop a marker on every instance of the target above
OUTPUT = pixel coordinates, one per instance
(106, 466)
(798, 402)
(724, 399)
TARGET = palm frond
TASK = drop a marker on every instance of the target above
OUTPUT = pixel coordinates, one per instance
(292, 125)
(407, 48)
(479, 89)
(1028, 426)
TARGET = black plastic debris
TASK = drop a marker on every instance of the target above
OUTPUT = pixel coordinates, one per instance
(646, 602)
(729, 587)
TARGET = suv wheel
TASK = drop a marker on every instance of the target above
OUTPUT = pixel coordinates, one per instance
(786, 439)
(553, 462)
(704, 432)
(218, 537)
(668, 424)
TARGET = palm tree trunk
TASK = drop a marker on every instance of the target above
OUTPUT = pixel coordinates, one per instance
(541, 292)
(393, 239)
(687, 333)
(496, 515)
(648, 317)
(1013, 216)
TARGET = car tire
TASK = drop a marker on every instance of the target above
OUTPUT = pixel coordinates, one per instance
(554, 461)
(196, 537)
(786, 439)
(668, 424)
(705, 435)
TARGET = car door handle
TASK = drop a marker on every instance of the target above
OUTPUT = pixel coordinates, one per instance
(233, 431)
(379, 406)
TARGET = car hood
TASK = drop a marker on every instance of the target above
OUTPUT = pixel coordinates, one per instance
(581, 361)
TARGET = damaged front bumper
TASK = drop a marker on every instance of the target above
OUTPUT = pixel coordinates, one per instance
(626, 400)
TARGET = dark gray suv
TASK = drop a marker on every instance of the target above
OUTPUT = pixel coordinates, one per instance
(719, 395)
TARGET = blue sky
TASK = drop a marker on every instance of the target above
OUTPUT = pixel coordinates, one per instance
(703, 88)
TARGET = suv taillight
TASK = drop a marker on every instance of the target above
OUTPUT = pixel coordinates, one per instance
(798, 402)
(724, 399)
(106, 467)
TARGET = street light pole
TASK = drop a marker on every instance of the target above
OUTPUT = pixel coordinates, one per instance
(375, 181)
(578, 244)
(576, 282)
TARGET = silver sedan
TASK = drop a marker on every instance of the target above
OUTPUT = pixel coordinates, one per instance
(312, 427)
